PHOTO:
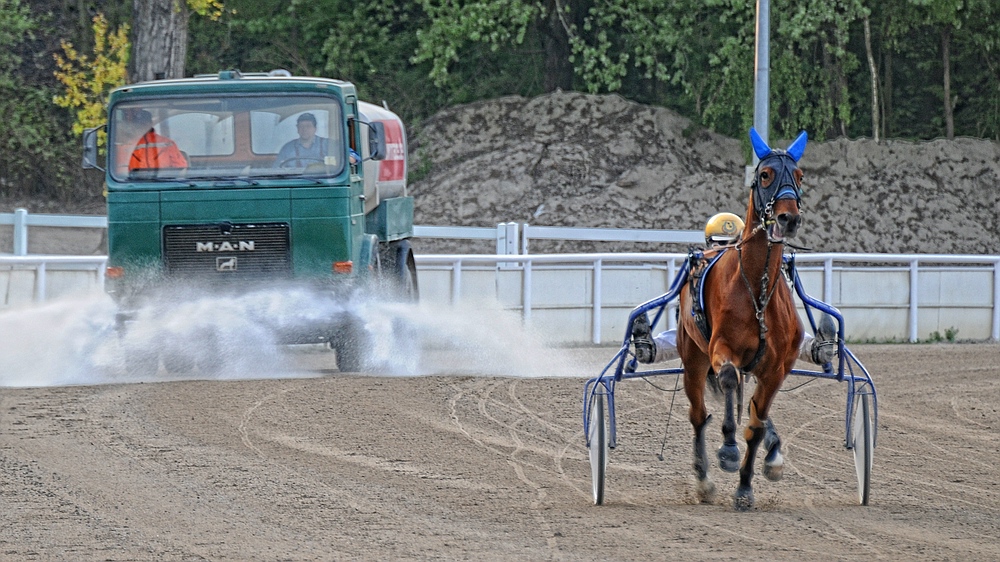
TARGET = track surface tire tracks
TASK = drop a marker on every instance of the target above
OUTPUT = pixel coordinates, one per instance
(466, 467)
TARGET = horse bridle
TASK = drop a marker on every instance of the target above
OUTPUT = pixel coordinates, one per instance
(783, 186)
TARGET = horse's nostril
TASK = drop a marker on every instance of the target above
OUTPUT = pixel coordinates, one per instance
(789, 222)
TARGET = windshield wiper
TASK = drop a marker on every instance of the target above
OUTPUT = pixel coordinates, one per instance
(295, 175)
(233, 179)
(159, 179)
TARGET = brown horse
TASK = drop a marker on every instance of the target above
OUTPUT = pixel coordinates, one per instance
(745, 324)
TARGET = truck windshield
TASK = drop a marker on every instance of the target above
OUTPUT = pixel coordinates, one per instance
(226, 138)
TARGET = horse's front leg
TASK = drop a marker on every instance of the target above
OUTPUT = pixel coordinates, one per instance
(729, 453)
(694, 387)
(759, 429)
(774, 462)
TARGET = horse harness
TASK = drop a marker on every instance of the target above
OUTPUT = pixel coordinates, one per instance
(699, 265)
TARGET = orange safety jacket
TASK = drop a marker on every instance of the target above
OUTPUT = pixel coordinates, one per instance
(156, 151)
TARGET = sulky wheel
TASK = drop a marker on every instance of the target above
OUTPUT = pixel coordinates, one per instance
(598, 439)
(863, 436)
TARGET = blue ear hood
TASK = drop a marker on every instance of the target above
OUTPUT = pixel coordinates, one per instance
(798, 147)
(760, 147)
(795, 150)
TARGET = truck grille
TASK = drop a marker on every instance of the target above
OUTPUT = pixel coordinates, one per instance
(227, 251)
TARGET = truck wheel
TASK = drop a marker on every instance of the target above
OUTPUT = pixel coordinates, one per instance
(400, 271)
(208, 356)
(141, 363)
(350, 344)
(177, 362)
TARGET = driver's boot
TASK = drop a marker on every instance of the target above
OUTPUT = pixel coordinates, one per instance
(642, 339)
(824, 345)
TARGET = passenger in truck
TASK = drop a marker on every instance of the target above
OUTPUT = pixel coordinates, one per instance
(152, 150)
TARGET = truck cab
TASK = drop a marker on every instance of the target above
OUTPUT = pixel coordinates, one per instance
(239, 181)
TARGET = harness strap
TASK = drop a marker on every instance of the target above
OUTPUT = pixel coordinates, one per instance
(699, 268)
(759, 307)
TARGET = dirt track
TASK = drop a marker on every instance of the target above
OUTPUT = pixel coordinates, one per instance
(460, 467)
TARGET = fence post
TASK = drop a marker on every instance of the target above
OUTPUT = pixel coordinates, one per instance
(598, 265)
(456, 281)
(40, 283)
(996, 301)
(21, 232)
(526, 293)
(828, 280)
(507, 239)
(914, 298)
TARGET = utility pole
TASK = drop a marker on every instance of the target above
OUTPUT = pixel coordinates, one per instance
(761, 79)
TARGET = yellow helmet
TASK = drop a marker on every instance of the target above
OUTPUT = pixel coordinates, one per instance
(723, 228)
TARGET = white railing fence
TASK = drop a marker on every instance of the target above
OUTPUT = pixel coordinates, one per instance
(586, 297)
(511, 237)
(21, 220)
(37, 278)
(882, 296)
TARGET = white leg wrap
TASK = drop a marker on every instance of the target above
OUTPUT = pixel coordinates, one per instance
(805, 348)
(666, 346)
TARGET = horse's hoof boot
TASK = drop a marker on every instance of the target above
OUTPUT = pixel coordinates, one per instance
(729, 458)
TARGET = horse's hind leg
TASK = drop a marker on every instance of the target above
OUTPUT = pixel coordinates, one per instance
(729, 453)
(774, 463)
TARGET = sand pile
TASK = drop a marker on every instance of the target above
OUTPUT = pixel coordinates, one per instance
(571, 159)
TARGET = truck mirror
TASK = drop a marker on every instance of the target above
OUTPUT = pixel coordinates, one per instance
(376, 141)
(90, 148)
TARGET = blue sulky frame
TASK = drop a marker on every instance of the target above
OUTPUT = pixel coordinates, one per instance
(861, 413)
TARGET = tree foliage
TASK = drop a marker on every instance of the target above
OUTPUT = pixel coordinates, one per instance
(89, 79)
(935, 63)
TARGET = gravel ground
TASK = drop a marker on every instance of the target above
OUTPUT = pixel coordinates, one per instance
(460, 465)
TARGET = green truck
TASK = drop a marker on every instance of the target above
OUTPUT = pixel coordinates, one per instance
(234, 181)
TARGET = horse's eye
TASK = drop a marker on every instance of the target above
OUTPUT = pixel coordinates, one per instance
(798, 176)
(766, 177)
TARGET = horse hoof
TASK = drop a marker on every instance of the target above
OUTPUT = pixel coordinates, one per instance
(774, 471)
(706, 491)
(743, 498)
(729, 458)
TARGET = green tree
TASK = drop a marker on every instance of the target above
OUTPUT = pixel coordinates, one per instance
(33, 140)
(456, 25)
(944, 16)
(88, 81)
(977, 108)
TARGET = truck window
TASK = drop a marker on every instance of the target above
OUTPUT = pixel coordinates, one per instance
(226, 137)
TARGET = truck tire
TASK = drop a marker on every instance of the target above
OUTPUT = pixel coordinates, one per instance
(400, 271)
(141, 363)
(350, 344)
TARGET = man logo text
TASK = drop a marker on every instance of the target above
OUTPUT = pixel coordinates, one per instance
(241, 246)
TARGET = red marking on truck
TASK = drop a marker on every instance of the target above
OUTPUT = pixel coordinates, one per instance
(394, 166)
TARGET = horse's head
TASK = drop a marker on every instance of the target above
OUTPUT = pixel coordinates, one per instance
(777, 187)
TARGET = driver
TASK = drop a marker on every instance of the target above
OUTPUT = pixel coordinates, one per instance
(309, 148)
(722, 230)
